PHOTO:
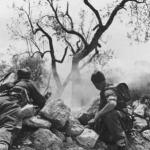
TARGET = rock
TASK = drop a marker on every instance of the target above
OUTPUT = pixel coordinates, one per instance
(69, 140)
(75, 148)
(59, 134)
(140, 123)
(57, 112)
(44, 139)
(139, 109)
(73, 127)
(88, 138)
(38, 122)
(139, 147)
(84, 117)
(27, 142)
(146, 134)
(26, 148)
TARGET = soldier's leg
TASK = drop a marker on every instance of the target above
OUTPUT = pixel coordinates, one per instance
(112, 121)
(8, 125)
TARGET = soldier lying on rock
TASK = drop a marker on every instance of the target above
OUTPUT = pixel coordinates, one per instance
(17, 101)
(108, 120)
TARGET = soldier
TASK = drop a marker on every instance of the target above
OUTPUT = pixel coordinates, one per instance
(108, 116)
(14, 105)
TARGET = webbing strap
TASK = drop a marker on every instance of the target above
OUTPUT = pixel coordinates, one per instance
(22, 89)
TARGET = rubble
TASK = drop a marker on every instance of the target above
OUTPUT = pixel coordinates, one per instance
(74, 128)
(59, 134)
(38, 122)
(56, 112)
(140, 122)
(88, 138)
(45, 139)
(58, 129)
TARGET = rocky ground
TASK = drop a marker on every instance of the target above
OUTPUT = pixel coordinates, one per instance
(58, 129)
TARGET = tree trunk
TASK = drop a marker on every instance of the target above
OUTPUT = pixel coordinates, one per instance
(76, 84)
(56, 78)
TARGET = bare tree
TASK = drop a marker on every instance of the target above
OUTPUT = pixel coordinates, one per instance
(61, 25)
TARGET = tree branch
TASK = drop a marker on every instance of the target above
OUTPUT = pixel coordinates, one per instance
(35, 44)
(72, 49)
(65, 29)
(95, 12)
(88, 61)
(139, 2)
(54, 70)
(37, 52)
(41, 53)
(117, 8)
(30, 22)
(61, 61)
(78, 47)
(114, 12)
(44, 32)
(51, 46)
(68, 15)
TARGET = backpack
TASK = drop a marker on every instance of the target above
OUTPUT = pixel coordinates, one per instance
(123, 93)
(123, 96)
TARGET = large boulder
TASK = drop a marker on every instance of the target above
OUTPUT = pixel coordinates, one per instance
(73, 127)
(37, 122)
(57, 112)
(88, 138)
(140, 122)
(44, 139)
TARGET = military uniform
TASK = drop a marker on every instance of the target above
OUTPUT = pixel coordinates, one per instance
(10, 106)
(109, 126)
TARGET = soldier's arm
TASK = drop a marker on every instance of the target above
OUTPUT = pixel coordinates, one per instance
(38, 98)
(111, 104)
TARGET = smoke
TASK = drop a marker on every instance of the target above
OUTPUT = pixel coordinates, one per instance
(80, 93)
(136, 75)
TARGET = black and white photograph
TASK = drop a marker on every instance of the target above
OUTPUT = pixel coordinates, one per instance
(75, 75)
